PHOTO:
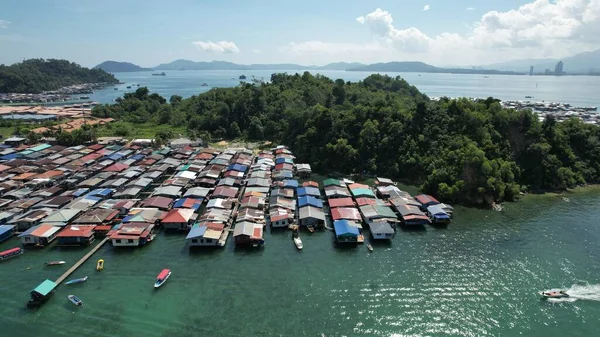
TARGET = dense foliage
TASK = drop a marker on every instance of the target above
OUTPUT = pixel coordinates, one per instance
(37, 75)
(459, 150)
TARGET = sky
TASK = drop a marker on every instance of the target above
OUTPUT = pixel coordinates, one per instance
(307, 32)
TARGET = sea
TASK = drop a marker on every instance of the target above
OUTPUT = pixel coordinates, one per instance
(480, 276)
(574, 90)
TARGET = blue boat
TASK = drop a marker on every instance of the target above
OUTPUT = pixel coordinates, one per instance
(75, 300)
(77, 280)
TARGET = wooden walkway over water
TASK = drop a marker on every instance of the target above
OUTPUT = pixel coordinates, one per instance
(80, 262)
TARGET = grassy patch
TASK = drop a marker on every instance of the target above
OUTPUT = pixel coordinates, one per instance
(145, 130)
(6, 131)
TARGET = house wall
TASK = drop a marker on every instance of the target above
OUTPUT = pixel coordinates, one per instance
(75, 240)
(280, 223)
(25, 225)
(382, 236)
(126, 242)
(36, 240)
(311, 222)
(202, 242)
(176, 225)
(346, 238)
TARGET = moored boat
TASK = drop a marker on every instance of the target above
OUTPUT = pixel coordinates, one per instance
(75, 300)
(298, 243)
(369, 247)
(162, 278)
(554, 294)
(55, 263)
(7, 254)
(77, 280)
(100, 265)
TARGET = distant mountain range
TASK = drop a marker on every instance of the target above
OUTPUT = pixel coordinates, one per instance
(117, 67)
(582, 63)
(223, 65)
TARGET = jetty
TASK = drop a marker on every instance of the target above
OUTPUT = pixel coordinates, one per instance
(81, 261)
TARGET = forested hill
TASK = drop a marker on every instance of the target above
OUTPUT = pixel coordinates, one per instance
(459, 150)
(37, 75)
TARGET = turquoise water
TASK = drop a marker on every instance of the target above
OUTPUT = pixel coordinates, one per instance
(479, 277)
(576, 90)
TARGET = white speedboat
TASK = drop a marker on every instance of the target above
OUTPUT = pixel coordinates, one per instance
(162, 278)
(298, 243)
(554, 294)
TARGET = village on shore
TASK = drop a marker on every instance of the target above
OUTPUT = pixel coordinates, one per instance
(126, 194)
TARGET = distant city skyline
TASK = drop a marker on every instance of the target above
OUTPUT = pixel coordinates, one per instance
(311, 32)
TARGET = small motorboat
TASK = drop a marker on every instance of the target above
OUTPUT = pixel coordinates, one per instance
(554, 294)
(298, 243)
(310, 229)
(75, 300)
(162, 278)
(565, 199)
(77, 280)
(369, 247)
(55, 263)
(100, 265)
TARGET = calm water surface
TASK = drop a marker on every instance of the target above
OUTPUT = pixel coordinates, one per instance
(479, 277)
(576, 90)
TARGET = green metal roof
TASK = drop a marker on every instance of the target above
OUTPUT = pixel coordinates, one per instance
(185, 167)
(45, 288)
(26, 152)
(362, 191)
(40, 147)
(385, 211)
(331, 181)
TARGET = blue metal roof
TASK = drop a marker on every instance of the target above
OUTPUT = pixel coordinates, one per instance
(196, 231)
(343, 227)
(237, 167)
(290, 183)
(180, 202)
(308, 200)
(10, 156)
(115, 156)
(45, 288)
(302, 191)
(104, 192)
(91, 197)
(437, 211)
(138, 157)
(6, 228)
(80, 192)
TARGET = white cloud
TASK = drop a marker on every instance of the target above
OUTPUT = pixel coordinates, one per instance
(217, 47)
(426, 8)
(470, 8)
(4, 24)
(540, 28)
(257, 51)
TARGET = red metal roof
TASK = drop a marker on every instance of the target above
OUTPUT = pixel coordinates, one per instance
(340, 202)
(257, 232)
(426, 199)
(158, 201)
(310, 183)
(365, 201)
(357, 185)
(347, 213)
(117, 167)
(178, 215)
(77, 231)
(10, 251)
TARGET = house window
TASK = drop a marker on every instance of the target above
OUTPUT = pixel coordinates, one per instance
(208, 240)
(201, 240)
(194, 241)
(118, 241)
(130, 241)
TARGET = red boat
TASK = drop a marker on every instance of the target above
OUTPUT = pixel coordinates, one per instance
(7, 254)
(162, 278)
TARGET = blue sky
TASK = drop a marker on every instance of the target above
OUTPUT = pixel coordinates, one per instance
(440, 32)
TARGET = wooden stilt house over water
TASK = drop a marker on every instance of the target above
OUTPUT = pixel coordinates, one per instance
(41, 294)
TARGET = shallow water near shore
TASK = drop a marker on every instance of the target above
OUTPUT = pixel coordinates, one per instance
(480, 276)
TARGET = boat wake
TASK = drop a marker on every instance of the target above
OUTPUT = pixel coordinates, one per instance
(580, 292)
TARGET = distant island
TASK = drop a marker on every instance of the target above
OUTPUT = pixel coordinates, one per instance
(119, 67)
(38, 75)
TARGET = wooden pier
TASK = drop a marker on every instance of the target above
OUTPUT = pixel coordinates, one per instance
(80, 262)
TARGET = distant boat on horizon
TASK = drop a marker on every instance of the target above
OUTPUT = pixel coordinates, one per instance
(159, 74)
